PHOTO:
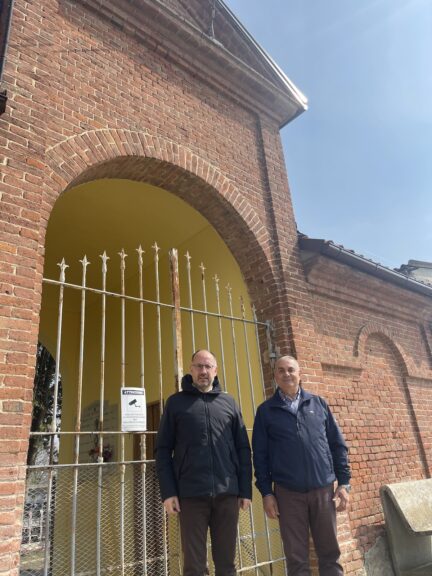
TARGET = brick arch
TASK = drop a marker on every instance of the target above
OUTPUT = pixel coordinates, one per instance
(387, 335)
(70, 160)
(386, 439)
(140, 156)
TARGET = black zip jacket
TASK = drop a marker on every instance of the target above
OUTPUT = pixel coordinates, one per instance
(202, 446)
(301, 452)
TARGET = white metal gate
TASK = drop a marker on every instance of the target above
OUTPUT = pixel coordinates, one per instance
(92, 500)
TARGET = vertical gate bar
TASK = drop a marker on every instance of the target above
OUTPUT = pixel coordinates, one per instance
(272, 358)
(269, 550)
(270, 345)
(234, 342)
(123, 256)
(229, 290)
(105, 259)
(159, 347)
(261, 372)
(143, 440)
(204, 294)
(188, 267)
(53, 427)
(246, 341)
(176, 318)
(221, 345)
(84, 263)
(158, 324)
(251, 387)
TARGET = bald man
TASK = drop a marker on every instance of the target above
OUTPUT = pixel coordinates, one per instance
(203, 461)
(299, 454)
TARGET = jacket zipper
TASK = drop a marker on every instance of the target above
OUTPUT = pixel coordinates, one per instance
(298, 428)
(305, 460)
(207, 415)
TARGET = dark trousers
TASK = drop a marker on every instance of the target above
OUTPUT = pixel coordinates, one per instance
(197, 515)
(300, 511)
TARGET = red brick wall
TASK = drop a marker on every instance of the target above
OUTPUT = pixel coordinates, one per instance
(89, 100)
(377, 377)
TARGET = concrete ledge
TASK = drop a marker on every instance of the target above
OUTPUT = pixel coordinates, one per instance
(408, 517)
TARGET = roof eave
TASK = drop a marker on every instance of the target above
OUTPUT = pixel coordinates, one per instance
(328, 248)
(290, 86)
(205, 56)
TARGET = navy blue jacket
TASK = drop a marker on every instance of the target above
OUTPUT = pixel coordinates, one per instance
(300, 452)
(202, 446)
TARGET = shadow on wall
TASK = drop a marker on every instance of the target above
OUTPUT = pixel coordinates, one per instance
(377, 560)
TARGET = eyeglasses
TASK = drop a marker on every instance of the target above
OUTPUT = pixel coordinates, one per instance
(203, 366)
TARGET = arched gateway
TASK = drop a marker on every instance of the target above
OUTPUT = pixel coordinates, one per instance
(135, 280)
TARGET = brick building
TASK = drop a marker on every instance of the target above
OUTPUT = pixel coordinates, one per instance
(156, 124)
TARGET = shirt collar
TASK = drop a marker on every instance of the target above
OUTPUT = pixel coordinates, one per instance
(287, 398)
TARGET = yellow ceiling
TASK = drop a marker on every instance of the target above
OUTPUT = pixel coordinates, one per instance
(113, 214)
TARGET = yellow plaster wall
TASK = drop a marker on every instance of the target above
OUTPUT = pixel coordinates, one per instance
(111, 215)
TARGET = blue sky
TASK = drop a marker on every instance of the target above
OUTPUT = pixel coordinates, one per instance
(360, 159)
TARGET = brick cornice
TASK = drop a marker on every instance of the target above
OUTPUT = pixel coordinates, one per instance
(189, 47)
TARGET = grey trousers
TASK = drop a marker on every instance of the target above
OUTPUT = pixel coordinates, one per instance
(299, 512)
(220, 515)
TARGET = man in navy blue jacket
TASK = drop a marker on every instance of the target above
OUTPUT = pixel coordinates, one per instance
(203, 461)
(299, 453)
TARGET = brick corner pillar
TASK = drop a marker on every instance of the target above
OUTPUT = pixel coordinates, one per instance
(21, 262)
(294, 327)
(18, 345)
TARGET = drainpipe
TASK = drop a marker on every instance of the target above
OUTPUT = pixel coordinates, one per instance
(5, 24)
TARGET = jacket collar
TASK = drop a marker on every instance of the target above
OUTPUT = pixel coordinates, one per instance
(187, 386)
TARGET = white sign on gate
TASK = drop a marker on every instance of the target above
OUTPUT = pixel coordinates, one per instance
(133, 410)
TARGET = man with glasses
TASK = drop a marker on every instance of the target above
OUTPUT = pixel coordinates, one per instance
(203, 461)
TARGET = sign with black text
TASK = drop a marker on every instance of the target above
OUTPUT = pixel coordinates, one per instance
(133, 410)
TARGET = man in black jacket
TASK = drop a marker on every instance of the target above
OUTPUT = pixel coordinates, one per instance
(299, 452)
(203, 461)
